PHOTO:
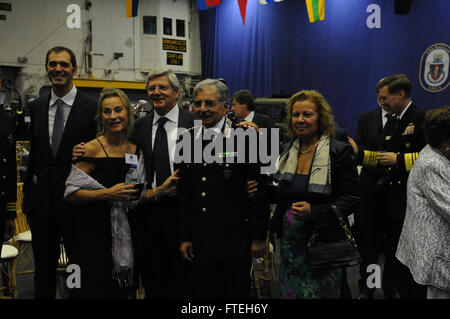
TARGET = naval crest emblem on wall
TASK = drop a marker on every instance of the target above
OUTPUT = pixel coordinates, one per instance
(434, 68)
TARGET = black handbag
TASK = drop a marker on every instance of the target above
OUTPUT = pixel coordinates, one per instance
(341, 253)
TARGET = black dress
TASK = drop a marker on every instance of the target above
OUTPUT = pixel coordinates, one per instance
(93, 239)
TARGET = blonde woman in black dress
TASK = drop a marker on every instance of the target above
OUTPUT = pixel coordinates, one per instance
(104, 237)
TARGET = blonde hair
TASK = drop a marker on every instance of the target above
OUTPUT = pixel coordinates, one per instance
(112, 92)
(326, 119)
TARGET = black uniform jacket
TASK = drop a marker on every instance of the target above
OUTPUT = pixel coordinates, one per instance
(262, 120)
(46, 176)
(409, 142)
(217, 215)
(369, 138)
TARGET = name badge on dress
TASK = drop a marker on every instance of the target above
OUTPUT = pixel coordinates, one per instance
(131, 159)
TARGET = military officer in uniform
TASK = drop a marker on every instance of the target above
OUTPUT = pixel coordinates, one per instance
(8, 176)
(371, 220)
(393, 157)
(221, 225)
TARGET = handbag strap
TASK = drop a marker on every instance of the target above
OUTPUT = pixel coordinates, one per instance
(343, 223)
(342, 219)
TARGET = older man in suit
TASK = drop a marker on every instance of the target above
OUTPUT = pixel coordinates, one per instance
(163, 273)
(60, 119)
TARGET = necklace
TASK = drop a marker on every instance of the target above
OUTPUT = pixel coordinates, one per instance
(309, 149)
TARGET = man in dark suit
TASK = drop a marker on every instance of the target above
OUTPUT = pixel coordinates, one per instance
(8, 176)
(221, 225)
(243, 108)
(164, 274)
(371, 221)
(387, 155)
(59, 120)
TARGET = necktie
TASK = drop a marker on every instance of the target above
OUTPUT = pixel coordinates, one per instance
(397, 125)
(160, 156)
(391, 131)
(58, 126)
(396, 130)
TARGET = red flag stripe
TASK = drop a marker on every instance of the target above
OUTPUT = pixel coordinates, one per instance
(243, 9)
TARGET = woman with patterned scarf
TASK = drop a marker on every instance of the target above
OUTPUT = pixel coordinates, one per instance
(314, 172)
(104, 235)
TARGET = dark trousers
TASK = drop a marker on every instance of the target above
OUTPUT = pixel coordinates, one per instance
(47, 235)
(370, 235)
(219, 280)
(378, 233)
(163, 272)
(396, 275)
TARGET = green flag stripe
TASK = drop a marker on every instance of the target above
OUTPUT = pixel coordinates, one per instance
(315, 9)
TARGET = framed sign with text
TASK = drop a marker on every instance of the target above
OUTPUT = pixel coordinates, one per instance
(174, 45)
(174, 58)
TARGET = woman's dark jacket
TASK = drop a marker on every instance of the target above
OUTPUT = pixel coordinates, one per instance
(345, 195)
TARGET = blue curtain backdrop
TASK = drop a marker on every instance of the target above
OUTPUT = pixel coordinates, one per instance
(279, 50)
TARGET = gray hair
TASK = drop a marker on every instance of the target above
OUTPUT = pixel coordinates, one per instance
(221, 88)
(173, 80)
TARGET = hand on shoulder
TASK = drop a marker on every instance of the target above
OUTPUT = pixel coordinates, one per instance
(86, 150)
(92, 148)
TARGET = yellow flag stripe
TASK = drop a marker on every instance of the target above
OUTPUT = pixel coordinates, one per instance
(316, 10)
(129, 4)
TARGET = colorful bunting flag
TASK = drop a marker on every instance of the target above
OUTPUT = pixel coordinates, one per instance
(132, 8)
(207, 4)
(268, 1)
(210, 3)
(242, 8)
(316, 10)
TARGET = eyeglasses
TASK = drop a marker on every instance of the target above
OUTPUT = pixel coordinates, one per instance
(53, 64)
(208, 103)
(162, 88)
